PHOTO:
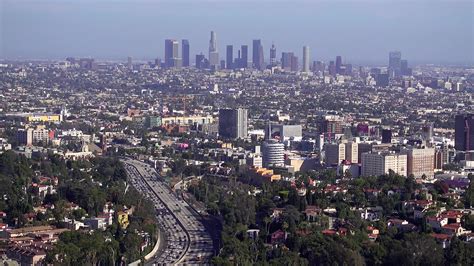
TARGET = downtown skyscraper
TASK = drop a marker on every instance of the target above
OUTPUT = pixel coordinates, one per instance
(394, 63)
(273, 54)
(289, 61)
(305, 59)
(257, 58)
(213, 53)
(185, 52)
(171, 53)
(339, 64)
(229, 57)
(243, 58)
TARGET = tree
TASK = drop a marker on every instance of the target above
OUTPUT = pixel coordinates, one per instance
(460, 253)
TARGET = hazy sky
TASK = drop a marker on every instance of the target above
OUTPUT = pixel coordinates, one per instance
(434, 31)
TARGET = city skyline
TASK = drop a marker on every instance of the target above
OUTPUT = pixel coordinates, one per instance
(237, 132)
(359, 31)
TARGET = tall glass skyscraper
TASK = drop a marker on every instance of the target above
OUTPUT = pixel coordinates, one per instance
(233, 123)
(229, 57)
(213, 53)
(257, 58)
(244, 56)
(395, 63)
(339, 64)
(171, 53)
(273, 54)
(185, 52)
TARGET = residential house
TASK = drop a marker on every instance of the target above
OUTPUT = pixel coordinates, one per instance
(278, 237)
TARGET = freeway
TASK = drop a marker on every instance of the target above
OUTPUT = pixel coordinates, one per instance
(186, 240)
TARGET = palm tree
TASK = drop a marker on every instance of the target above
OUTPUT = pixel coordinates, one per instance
(267, 221)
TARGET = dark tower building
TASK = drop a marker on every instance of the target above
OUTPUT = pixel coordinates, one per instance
(171, 52)
(257, 58)
(230, 57)
(386, 136)
(233, 123)
(404, 69)
(294, 63)
(185, 52)
(339, 64)
(464, 132)
(244, 56)
(286, 60)
(394, 63)
(201, 61)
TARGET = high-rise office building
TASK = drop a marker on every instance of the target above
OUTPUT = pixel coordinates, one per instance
(213, 53)
(404, 69)
(229, 57)
(171, 53)
(287, 60)
(257, 58)
(420, 162)
(273, 53)
(185, 52)
(363, 147)
(394, 63)
(464, 132)
(338, 64)
(244, 49)
(305, 59)
(233, 123)
(335, 153)
(379, 163)
(352, 152)
(386, 136)
(294, 63)
(201, 61)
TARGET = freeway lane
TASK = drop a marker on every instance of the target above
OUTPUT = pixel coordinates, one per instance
(187, 241)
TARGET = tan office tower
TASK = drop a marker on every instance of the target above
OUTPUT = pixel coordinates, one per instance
(379, 163)
(334, 153)
(421, 162)
(352, 152)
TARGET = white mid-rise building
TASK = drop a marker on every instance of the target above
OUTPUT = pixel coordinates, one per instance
(379, 163)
